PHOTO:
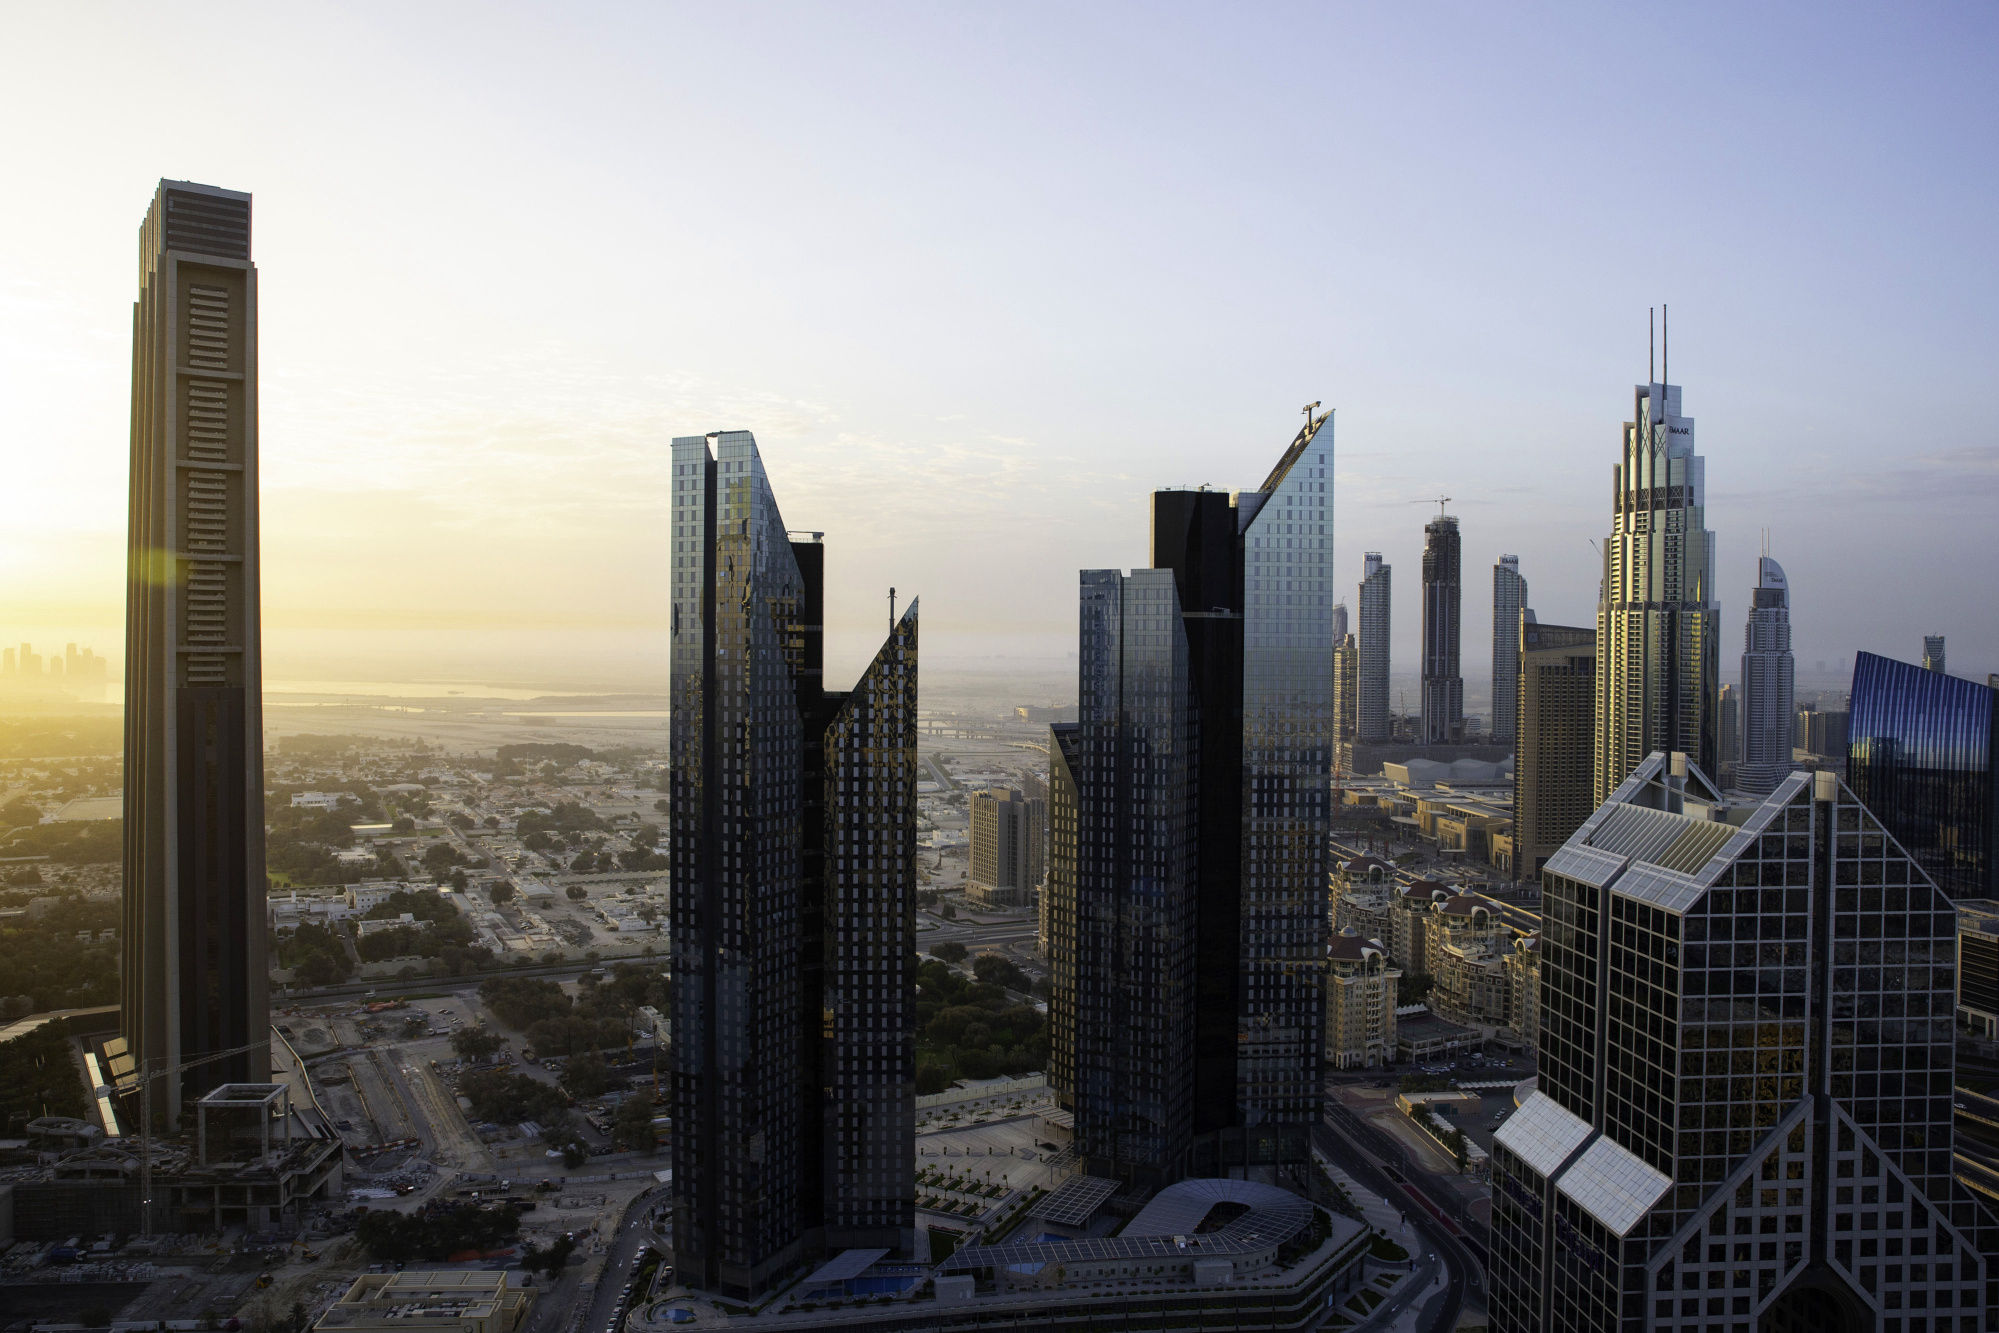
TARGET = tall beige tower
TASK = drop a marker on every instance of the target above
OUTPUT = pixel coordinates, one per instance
(195, 971)
(1658, 629)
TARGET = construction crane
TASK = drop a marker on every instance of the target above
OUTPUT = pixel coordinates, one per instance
(144, 1080)
(1439, 501)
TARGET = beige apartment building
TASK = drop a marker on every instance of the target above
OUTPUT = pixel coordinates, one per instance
(1360, 1002)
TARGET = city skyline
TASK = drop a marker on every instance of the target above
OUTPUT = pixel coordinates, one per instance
(448, 439)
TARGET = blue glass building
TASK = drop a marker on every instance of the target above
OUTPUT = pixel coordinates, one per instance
(1922, 751)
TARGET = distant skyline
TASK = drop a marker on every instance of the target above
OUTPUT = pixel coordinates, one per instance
(981, 280)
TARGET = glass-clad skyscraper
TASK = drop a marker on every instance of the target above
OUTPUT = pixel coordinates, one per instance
(793, 836)
(1923, 753)
(1743, 1120)
(1188, 892)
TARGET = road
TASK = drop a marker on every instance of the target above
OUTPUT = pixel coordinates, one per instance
(566, 1308)
(1359, 1148)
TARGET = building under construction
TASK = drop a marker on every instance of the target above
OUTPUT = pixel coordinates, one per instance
(245, 1155)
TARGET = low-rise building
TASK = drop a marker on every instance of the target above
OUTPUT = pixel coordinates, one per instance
(1360, 1002)
(425, 1301)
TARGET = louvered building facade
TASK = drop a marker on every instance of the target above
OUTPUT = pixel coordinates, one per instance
(195, 975)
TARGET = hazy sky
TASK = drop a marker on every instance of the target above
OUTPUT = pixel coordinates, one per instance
(979, 278)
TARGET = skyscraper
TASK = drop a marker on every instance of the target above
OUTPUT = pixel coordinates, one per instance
(1768, 683)
(1346, 701)
(1339, 621)
(1374, 628)
(1657, 625)
(1186, 1007)
(1743, 1116)
(1443, 606)
(1933, 654)
(1923, 753)
(1007, 832)
(1556, 718)
(194, 979)
(1509, 598)
(793, 835)
(1728, 734)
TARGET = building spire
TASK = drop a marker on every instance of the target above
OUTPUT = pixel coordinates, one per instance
(1652, 346)
(1665, 345)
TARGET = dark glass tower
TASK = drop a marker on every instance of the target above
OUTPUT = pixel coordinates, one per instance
(793, 832)
(1185, 1003)
(1743, 1119)
(1443, 613)
(1923, 753)
(195, 973)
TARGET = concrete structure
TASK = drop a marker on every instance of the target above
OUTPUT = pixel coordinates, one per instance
(1553, 766)
(1371, 721)
(195, 979)
(1008, 832)
(1443, 682)
(1658, 632)
(1202, 769)
(793, 843)
(421, 1301)
(1743, 1112)
(1933, 655)
(1360, 1002)
(1509, 604)
(1768, 683)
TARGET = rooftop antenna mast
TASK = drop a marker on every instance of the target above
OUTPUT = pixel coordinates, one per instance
(1665, 345)
(1652, 346)
(891, 610)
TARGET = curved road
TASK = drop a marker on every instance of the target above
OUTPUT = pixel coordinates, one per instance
(1359, 1148)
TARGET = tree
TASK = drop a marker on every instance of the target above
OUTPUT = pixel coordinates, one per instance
(502, 892)
(476, 1044)
(460, 820)
(951, 951)
(631, 1125)
(458, 881)
(576, 893)
(660, 806)
(402, 824)
(999, 971)
(550, 1261)
(585, 1075)
(574, 1154)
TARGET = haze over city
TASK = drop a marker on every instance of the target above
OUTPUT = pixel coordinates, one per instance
(781, 667)
(981, 279)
